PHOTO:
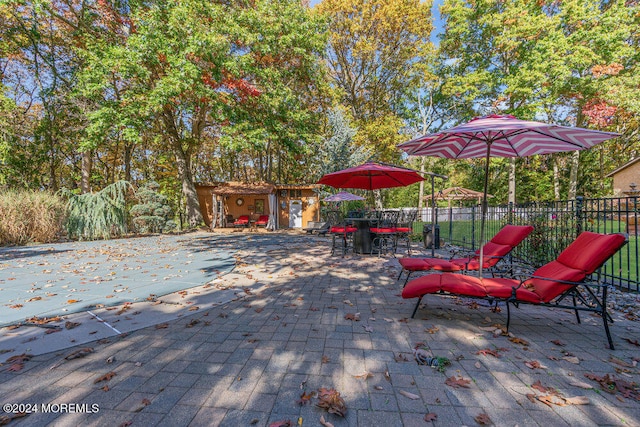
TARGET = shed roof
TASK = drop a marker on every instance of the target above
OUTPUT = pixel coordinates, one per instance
(234, 187)
(626, 165)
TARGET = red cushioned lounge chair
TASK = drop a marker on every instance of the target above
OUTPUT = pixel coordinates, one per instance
(262, 221)
(242, 221)
(560, 283)
(494, 250)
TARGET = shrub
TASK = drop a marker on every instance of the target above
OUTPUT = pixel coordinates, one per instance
(152, 214)
(28, 216)
(100, 215)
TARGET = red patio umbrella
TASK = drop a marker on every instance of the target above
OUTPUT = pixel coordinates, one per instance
(371, 176)
(502, 136)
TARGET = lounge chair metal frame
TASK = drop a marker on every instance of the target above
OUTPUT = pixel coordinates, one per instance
(582, 295)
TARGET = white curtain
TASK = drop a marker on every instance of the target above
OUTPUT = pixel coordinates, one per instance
(214, 207)
(271, 225)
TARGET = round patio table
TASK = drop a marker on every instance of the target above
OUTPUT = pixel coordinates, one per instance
(362, 238)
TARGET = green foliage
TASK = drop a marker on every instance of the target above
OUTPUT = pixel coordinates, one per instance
(30, 216)
(338, 150)
(101, 215)
(152, 214)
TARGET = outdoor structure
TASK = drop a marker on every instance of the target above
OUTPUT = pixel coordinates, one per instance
(626, 178)
(459, 194)
(288, 206)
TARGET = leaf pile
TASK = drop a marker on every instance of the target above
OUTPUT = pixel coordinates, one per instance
(550, 396)
(629, 390)
(330, 400)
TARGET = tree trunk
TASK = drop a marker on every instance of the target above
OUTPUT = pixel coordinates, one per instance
(192, 204)
(556, 179)
(86, 165)
(128, 153)
(573, 176)
(512, 180)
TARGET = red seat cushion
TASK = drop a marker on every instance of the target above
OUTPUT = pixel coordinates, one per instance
(379, 230)
(590, 250)
(403, 230)
(512, 235)
(414, 264)
(445, 265)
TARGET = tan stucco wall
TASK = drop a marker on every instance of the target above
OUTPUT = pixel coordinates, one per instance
(623, 178)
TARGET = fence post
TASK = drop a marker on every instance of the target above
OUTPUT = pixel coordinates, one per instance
(473, 227)
(510, 214)
(579, 214)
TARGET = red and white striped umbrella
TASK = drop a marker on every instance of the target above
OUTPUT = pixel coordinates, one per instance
(502, 136)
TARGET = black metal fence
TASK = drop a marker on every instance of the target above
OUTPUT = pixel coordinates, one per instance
(556, 225)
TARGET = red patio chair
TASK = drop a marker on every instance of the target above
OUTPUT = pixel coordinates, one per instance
(561, 283)
(242, 221)
(494, 250)
(262, 221)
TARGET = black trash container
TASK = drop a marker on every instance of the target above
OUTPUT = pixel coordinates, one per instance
(428, 236)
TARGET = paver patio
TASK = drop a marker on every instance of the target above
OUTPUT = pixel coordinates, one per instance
(280, 330)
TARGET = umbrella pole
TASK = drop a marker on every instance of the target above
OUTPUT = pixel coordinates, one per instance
(484, 207)
(433, 217)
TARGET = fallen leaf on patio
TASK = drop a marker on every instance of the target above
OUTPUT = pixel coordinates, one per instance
(347, 302)
(52, 331)
(194, 308)
(364, 376)
(558, 342)
(15, 367)
(403, 320)
(71, 325)
(367, 328)
(430, 417)
(82, 352)
(478, 365)
(433, 329)
(542, 389)
(105, 377)
(305, 398)
(581, 384)
(162, 326)
(283, 423)
(409, 395)
(534, 364)
(457, 382)
(572, 359)
(192, 323)
(105, 388)
(378, 387)
(387, 376)
(517, 340)
(620, 362)
(325, 423)
(72, 301)
(577, 400)
(490, 352)
(330, 400)
(352, 316)
(34, 299)
(325, 359)
(16, 306)
(634, 342)
(483, 419)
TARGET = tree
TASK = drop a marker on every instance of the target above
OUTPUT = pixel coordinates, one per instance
(338, 149)
(374, 47)
(204, 72)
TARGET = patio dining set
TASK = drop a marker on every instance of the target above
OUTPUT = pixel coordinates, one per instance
(373, 232)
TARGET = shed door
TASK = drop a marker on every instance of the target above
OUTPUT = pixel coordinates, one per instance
(295, 214)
